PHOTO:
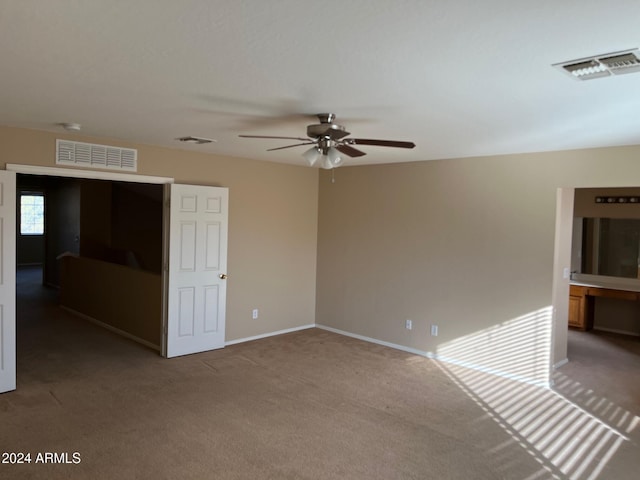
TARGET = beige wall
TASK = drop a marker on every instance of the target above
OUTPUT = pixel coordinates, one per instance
(272, 224)
(467, 244)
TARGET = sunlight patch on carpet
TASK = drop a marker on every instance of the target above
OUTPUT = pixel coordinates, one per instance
(571, 436)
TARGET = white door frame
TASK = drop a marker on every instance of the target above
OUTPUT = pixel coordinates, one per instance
(7, 282)
(87, 174)
(560, 279)
(565, 197)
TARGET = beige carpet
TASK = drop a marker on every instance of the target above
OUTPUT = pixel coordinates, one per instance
(307, 405)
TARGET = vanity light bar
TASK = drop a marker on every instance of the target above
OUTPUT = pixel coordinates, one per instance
(610, 200)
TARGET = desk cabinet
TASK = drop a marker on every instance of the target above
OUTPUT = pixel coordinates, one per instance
(577, 307)
(581, 303)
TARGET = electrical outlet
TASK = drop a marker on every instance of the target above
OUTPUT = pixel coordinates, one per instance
(254, 314)
(434, 330)
(408, 324)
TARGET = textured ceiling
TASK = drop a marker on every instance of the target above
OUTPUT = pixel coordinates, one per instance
(459, 78)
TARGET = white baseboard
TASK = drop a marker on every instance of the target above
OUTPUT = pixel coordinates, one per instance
(270, 334)
(378, 342)
(560, 363)
(614, 330)
(497, 373)
(111, 328)
(440, 358)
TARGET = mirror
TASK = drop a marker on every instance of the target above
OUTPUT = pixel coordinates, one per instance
(611, 247)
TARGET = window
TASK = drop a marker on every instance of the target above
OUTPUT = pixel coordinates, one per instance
(31, 214)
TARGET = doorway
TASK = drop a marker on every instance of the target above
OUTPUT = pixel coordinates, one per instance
(566, 198)
(101, 243)
(193, 278)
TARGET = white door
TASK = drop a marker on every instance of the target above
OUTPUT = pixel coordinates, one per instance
(7, 281)
(196, 294)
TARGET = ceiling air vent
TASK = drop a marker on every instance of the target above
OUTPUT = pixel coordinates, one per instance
(91, 155)
(195, 140)
(619, 64)
(602, 65)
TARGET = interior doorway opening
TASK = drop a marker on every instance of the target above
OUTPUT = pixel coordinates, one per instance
(99, 254)
(192, 283)
(569, 205)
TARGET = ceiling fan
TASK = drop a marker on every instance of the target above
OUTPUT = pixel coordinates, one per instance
(329, 140)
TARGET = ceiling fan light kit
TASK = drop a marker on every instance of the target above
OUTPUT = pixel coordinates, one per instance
(312, 155)
(331, 159)
(333, 156)
(329, 142)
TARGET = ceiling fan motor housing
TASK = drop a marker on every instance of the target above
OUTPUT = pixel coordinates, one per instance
(330, 130)
(326, 128)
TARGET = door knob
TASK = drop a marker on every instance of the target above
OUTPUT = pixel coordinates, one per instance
(223, 276)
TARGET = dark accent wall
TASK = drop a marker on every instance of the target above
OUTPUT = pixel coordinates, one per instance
(122, 223)
(29, 249)
(62, 224)
(95, 219)
(137, 224)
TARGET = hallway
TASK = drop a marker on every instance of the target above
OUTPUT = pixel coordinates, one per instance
(53, 343)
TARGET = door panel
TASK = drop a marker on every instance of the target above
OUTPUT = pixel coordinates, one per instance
(7, 281)
(196, 298)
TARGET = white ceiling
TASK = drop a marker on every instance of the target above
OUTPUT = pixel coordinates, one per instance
(459, 78)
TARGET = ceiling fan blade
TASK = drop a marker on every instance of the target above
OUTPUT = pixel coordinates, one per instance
(379, 143)
(289, 146)
(278, 138)
(350, 151)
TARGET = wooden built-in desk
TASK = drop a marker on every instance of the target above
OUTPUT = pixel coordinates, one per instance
(581, 303)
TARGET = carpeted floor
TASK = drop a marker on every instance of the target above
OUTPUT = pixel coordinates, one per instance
(307, 405)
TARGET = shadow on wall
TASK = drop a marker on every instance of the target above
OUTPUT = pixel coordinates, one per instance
(571, 432)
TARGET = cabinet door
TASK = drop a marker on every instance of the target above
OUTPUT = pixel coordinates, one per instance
(576, 318)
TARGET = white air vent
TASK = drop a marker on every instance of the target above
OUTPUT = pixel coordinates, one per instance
(619, 64)
(96, 156)
(602, 65)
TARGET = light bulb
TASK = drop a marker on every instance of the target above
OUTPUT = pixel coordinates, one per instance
(326, 163)
(333, 154)
(312, 155)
